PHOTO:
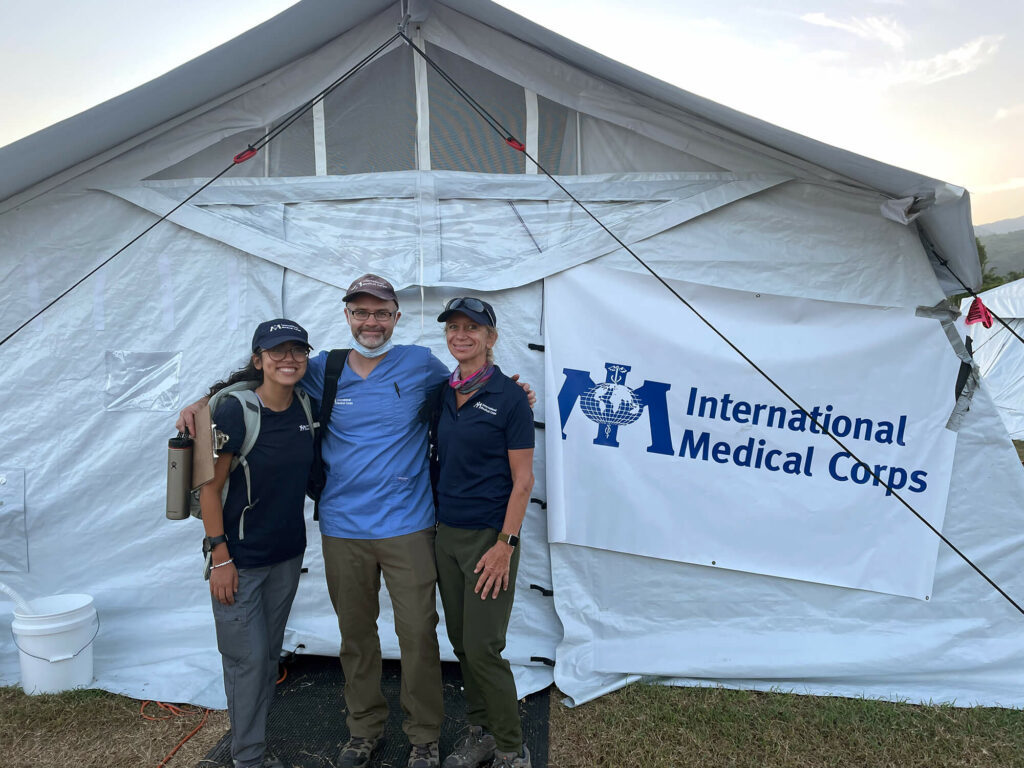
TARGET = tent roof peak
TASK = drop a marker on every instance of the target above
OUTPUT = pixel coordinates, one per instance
(310, 24)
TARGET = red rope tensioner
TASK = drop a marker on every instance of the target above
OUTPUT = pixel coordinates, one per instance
(241, 157)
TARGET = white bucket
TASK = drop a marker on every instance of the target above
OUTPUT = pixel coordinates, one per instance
(55, 643)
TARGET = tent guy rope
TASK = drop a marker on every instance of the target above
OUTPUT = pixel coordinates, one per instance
(930, 247)
(239, 158)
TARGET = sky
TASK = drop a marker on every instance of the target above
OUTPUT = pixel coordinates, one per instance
(933, 86)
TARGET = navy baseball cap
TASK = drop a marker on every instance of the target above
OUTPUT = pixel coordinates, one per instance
(273, 332)
(477, 310)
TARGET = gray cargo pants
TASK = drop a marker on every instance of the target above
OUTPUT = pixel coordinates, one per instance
(249, 636)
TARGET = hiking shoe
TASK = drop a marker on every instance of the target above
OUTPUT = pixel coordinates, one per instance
(356, 752)
(424, 756)
(512, 760)
(474, 749)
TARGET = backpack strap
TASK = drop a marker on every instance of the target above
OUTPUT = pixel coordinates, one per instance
(332, 372)
(430, 412)
(219, 438)
(307, 408)
(251, 415)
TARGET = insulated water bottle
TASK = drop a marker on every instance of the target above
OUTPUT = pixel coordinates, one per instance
(179, 476)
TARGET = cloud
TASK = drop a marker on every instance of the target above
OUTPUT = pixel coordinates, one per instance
(879, 28)
(959, 61)
(1003, 186)
(828, 56)
(1004, 112)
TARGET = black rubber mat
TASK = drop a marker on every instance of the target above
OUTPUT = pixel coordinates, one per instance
(306, 727)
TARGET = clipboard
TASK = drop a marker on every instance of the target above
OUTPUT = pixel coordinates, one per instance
(202, 450)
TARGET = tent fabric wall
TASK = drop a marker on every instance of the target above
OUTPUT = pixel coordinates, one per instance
(455, 229)
(176, 311)
(998, 354)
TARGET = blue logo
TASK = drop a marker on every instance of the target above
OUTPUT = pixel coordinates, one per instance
(612, 404)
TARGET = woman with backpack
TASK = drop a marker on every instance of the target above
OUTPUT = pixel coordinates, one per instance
(256, 536)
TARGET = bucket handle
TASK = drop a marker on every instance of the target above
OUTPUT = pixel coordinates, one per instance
(66, 656)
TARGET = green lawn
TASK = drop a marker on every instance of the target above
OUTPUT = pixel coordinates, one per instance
(641, 725)
(658, 727)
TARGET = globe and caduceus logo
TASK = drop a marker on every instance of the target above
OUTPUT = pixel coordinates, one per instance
(612, 403)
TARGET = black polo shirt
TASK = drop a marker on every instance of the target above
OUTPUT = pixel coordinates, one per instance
(473, 445)
(275, 529)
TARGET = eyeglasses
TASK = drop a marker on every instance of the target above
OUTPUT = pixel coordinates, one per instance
(473, 305)
(297, 352)
(381, 315)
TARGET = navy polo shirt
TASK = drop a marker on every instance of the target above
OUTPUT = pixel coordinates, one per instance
(473, 444)
(279, 461)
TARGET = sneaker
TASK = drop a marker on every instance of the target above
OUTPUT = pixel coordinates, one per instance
(424, 756)
(512, 760)
(474, 749)
(357, 751)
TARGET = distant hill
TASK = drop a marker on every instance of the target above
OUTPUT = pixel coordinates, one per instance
(1005, 252)
(1001, 227)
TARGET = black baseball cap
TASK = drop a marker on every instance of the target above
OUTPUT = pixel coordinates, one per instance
(477, 310)
(273, 332)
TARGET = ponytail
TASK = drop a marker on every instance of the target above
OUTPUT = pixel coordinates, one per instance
(249, 373)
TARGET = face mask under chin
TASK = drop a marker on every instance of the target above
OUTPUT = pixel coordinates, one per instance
(371, 353)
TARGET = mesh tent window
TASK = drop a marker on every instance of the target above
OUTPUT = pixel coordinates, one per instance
(369, 126)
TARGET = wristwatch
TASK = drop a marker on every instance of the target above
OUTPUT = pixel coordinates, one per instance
(212, 541)
(509, 538)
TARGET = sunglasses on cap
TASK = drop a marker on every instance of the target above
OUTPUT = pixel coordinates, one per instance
(473, 305)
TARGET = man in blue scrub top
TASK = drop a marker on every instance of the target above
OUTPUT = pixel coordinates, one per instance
(377, 516)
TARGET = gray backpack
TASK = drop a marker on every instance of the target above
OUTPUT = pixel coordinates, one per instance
(244, 392)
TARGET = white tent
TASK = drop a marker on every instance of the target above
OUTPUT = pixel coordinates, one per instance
(394, 174)
(999, 355)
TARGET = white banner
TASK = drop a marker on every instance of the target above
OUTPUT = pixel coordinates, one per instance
(672, 446)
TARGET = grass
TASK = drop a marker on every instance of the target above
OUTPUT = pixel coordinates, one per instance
(95, 729)
(661, 727)
(641, 725)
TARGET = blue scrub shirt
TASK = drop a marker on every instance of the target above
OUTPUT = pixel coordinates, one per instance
(375, 446)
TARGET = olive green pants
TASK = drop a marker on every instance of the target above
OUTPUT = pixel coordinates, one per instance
(477, 630)
(353, 568)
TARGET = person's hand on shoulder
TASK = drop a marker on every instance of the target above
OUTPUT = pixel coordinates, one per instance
(530, 394)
